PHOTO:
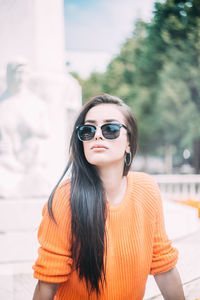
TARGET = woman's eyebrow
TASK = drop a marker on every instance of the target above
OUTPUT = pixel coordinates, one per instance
(90, 121)
(104, 121)
(111, 120)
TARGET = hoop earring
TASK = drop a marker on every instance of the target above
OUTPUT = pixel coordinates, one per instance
(128, 159)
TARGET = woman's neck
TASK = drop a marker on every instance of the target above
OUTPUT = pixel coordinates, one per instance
(114, 184)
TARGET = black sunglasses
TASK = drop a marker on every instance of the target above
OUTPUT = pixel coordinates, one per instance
(109, 131)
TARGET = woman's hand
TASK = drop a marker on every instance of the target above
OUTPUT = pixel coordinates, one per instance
(45, 290)
(170, 285)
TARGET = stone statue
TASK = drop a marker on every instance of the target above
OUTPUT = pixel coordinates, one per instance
(24, 132)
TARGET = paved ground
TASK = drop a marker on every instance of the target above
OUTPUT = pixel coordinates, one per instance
(19, 249)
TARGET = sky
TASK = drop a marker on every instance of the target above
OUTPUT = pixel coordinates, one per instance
(100, 26)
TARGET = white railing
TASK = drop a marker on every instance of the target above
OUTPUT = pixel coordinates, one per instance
(179, 187)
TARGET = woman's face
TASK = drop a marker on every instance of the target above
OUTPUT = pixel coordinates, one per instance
(100, 151)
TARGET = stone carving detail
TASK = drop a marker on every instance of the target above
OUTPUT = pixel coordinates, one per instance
(24, 134)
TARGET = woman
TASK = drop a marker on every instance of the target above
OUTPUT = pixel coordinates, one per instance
(102, 232)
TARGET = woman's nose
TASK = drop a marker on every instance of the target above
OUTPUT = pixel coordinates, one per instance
(98, 133)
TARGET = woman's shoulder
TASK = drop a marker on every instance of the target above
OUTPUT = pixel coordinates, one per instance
(142, 179)
(62, 193)
(60, 200)
(144, 188)
(63, 188)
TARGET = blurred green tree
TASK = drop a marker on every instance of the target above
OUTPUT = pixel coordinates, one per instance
(179, 90)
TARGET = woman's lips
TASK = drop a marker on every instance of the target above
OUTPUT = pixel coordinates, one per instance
(98, 147)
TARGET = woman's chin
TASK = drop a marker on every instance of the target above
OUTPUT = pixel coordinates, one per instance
(103, 163)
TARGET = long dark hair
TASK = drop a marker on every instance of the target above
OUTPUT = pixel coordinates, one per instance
(87, 200)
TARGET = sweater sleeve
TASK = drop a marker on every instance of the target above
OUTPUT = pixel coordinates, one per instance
(164, 255)
(54, 257)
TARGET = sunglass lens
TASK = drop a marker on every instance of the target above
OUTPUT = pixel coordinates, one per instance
(86, 132)
(111, 131)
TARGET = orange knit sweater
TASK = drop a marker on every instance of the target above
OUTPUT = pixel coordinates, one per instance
(137, 244)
